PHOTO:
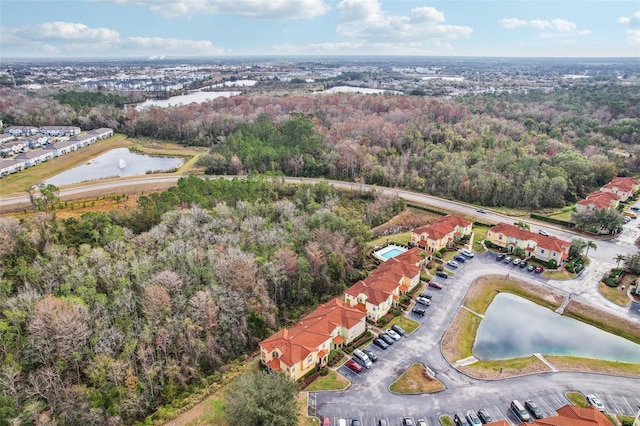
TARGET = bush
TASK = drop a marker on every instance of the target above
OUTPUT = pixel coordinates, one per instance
(335, 356)
(610, 282)
(324, 371)
(382, 321)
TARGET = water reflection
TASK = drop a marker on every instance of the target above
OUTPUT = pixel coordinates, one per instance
(117, 162)
(514, 327)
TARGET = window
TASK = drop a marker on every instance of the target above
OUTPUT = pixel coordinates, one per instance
(310, 359)
(541, 250)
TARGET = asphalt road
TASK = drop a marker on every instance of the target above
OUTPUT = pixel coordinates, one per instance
(369, 399)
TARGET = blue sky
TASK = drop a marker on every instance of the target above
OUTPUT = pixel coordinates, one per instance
(216, 28)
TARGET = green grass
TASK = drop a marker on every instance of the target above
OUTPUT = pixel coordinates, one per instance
(332, 381)
(625, 420)
(563, 214)
(407, 324)
(402, 238)
(614, 294)
(561, 274)
(470, 323)
(412, 381)
(577, 399)
(446, 420)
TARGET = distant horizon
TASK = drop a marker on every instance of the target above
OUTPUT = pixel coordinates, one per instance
(134, 29)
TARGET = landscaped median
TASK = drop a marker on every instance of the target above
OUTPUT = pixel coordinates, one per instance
(416, 380)
(458, 341)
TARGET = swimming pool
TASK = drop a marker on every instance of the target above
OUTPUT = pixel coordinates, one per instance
(388, 252)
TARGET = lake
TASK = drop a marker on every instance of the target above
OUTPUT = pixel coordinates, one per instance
(115, 163)
(196, 96)
(514, 327)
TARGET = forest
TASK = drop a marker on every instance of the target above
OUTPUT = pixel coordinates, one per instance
(106, 317)
(536, 150)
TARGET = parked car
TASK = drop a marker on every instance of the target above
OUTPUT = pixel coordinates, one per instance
(398, 329)
(326, 421)
(422, 422)
(362, 359)
(595, 401)
(500, 256)
(387, 339)
(459, 258)
(353, 365)
(507, 259)
(382, 422)
(466, 253)
(543, 232)
(460, 420)
(426, 295)
(356, 422)
(538, 270)
(419, 311)
(372, 355)
(516, 261)
(342, 422)
(423, 301)
(407, 421)
(483, 211)
(533, 408)
(442, 274)
(395, 336)
(519, 410)
(635, 209)
(530, 268)
(453, 263)
(472, 418)
(523, 264)
(435, 285)
(484, 416)
(380, 343)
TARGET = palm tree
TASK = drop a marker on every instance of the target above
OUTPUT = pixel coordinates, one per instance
(523, 225)
(591, 244)
(619, 258)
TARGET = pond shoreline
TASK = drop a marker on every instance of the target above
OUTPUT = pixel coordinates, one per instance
(458, 340)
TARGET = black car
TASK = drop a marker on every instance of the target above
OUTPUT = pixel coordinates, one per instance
(442, 274)
(372, 356)
(484, 416)
(500, 256)
(380, 343)
(460, 420)
(426, 295)
(530, 268)
(398, 329)
(419, 311)
(535, 410)
(387, 339)
(523, 264)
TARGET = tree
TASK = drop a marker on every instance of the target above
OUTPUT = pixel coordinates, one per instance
(523, 225)
(590, 244)
(49, 198)
(263, 399)
(632, 263)
(577, 246)
(619, 258)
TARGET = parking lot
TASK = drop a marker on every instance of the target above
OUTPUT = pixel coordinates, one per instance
(369, 399)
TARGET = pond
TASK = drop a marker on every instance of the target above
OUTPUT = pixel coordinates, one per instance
(115, 163)
(514, 327)
(196, 96)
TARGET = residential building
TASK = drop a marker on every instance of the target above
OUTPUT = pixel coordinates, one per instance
(624, 187)
(35, 157)
(63, 147)
(6, 137)
(571, 415)
(444, 232)
(545, 248)
(598, 200)
(21, 130)
(297, 351)
(59, 130)
(84, 139)
(102, 133)
(10, 166)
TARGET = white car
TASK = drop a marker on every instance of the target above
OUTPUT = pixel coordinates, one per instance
(466, 253)
(593, 400)
(453, 263)
(543, 232)
(393, 334)
(423, 301)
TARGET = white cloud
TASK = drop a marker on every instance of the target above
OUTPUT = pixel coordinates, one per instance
(555, 28)
(365, 21)
(633, 27)
(76, 39)
(436, 47)
(261, 9)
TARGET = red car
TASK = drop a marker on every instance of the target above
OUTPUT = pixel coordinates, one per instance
(435, 285)
(326, 421)
(353, 366)
(538, 270)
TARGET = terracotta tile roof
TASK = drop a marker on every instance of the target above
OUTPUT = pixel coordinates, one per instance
(442, 227)
(499, 423)
(322, 353)
(599, 200)
(374, 292)
(411, 256)
(570, 415)
(549, 243)
(338, 340)
(624, 184)
(274, 364)
(396, 265)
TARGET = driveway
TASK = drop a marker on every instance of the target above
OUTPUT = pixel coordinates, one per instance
(369, 399)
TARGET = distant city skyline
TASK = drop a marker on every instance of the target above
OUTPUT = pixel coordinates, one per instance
(223, 28)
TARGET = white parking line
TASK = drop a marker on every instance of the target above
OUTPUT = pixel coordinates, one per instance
(613, 402)
(502, 414)
(547, 406)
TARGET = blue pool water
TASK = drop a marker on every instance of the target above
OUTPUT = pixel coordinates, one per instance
(391, 253)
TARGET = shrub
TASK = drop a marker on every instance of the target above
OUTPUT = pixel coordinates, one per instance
(324, 371)
(382, 321)
(335, 356)
(610, 282)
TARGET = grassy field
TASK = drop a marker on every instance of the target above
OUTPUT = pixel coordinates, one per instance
(614, 294)
(458, 340)
(577, 399)
(479, 235)
(18, 183)
(402, 238)
(563, 214)
(568, 363)
(407, 324)
(332, 381)
(413, 381)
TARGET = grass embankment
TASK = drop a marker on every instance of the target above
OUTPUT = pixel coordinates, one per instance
(560, 274)
(614, 294)
(332, 381)
(18, 183)
(413, 381)
(407, 324)
(577, 399)
(457, 342)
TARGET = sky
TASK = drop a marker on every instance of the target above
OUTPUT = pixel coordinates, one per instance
(228, 28)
